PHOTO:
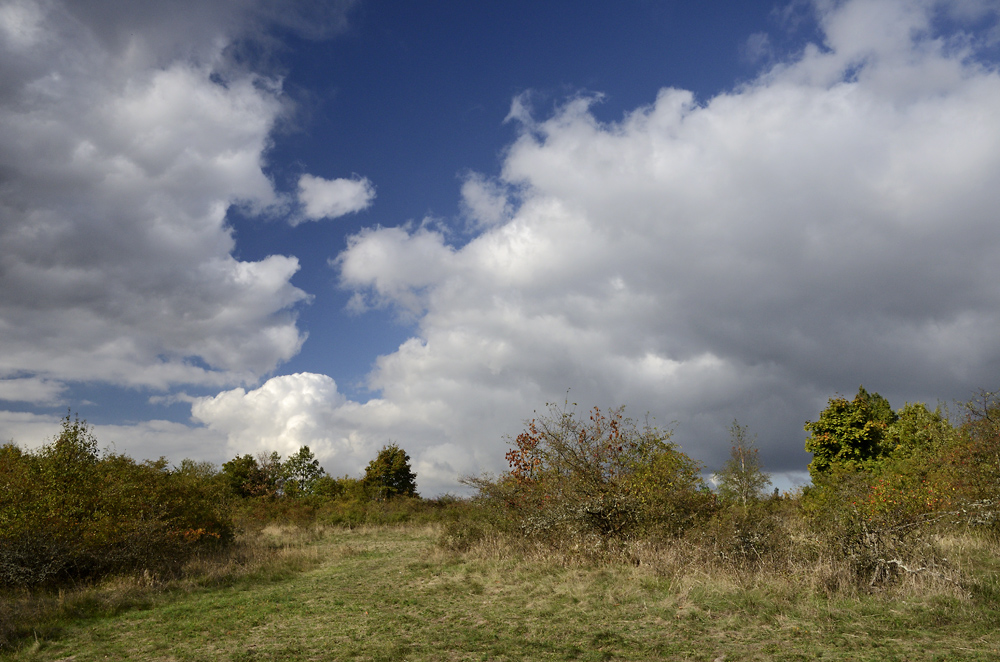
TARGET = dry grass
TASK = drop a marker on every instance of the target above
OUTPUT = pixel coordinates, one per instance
(947, 565)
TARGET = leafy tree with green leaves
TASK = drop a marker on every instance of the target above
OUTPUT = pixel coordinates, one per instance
(246, 478)
(300, 472)
(917, 431)
(389, 475)
(849, 434)
(742, 480)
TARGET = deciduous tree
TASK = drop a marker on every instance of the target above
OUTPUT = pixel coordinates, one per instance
(389, 474)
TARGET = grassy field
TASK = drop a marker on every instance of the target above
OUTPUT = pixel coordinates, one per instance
(393, 594)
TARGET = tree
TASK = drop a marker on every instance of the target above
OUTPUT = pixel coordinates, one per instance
(849, 434)
(917, 431)
(979, 457)
(68, 513)
(389, 474)
(246, 478)
(742, 480)
(301, 471)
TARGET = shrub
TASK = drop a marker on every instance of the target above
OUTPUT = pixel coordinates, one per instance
(246, 478)
(605, 477)
(747, 538)
(68, 513)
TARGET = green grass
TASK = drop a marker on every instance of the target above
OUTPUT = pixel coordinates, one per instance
(393, 594)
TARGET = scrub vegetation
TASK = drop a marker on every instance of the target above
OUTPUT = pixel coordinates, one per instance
(602, 540)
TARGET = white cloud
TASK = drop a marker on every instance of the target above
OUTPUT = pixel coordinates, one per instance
(125, 135)
(288, 412)
(27, 430)
(305, 409)
(486, 203)
(330, 198)
(831, 223)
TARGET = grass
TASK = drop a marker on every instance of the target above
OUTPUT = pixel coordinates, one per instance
(265, 555)
(394, 594)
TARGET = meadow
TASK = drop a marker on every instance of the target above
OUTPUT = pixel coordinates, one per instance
(395, 593)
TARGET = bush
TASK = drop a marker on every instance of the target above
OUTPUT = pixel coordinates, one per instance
(68, 513)
(753, 537)
(605, 477)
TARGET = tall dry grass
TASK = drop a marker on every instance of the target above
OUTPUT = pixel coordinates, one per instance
(775, 551)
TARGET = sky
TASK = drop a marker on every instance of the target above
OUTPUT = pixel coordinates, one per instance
(242, 226)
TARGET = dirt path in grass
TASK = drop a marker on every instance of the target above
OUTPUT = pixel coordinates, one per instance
(391, 594)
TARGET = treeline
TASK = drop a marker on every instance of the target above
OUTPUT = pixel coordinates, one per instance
(70, 513)
(886, 485)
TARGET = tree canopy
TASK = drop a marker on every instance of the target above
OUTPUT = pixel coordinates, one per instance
(389, 474)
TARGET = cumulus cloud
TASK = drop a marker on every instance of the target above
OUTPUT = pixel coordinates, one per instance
(290, 411)
(126, 133)
(330, 198)
(306, 409)
(831, 223)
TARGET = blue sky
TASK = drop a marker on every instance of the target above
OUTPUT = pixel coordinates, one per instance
(231, 227)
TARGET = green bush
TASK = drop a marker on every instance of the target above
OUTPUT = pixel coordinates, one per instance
(69, 513)
(893, 481)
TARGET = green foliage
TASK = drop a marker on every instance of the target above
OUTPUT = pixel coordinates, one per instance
(895, 477)
(605, 476)
(300, 472)
(917, 432)
(742, 480)
(67, 512)
(246, 478)
(267, 476)
(849, 433)
(389, 475)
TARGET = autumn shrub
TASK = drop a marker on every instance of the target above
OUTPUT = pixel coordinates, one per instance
(67, 512)
(599, 479)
